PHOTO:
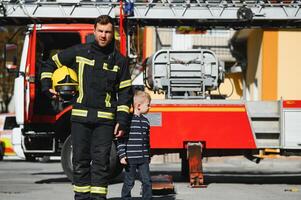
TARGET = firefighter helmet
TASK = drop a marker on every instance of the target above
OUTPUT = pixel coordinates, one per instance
(65, 82)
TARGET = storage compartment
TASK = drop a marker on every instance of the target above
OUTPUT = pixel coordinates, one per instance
(292, 129)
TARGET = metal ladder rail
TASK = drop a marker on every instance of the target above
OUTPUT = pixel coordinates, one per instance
(161, 10)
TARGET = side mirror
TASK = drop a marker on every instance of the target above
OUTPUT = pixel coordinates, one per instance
(10, 57)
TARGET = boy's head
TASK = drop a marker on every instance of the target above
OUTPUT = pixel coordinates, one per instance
(141, 102)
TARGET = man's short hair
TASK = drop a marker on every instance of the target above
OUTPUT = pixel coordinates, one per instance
(104, 19)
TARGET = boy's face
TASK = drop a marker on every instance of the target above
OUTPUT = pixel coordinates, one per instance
(143, 108)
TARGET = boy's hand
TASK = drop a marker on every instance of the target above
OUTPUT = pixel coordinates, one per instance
(118, 132)
(123, 161)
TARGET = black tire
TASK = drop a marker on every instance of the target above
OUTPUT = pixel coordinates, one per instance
(66, 160)
(1, 151)
(30, 157)
(184, 164)
(115, 166)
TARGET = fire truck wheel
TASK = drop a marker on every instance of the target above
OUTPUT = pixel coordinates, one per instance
(115, 166)
(30, 157)
(66, 160)
(1, 151)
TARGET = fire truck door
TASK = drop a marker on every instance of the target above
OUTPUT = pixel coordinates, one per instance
(30, 75)
(19, 86)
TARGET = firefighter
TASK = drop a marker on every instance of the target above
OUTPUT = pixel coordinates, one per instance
(101, 108)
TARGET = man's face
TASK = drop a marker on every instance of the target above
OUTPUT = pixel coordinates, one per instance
(103, 34)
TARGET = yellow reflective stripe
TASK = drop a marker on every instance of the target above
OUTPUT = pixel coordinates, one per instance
(106, 115)
(99, 190)
(46, 75)
(82, 189)
(55, 58)
(84, 60)
(108, 100)
(80, 84)
(124, 84)
(115, 68)
(81, 64)
(78, 112)
(123, 108)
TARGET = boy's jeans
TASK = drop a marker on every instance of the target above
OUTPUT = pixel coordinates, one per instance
(129, 181)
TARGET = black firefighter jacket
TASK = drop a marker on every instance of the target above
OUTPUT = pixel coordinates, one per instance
(105, 92)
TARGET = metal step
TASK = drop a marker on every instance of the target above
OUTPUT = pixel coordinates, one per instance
(197, 13)
(268, 143)
(266, 126)
(263, 109)
(265, 122)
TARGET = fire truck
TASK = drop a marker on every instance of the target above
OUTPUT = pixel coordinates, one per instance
(190, 120)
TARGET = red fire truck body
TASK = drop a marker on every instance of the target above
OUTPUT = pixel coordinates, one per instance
(218, 126)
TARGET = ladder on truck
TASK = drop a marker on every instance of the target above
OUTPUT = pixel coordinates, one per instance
(199, 13)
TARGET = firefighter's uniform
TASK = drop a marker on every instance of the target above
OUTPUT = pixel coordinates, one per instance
(104, 97)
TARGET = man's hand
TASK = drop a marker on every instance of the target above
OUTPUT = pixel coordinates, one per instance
(123, 161)
(53, 93)
(118, 132)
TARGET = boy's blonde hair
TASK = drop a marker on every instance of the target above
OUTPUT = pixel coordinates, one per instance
(141, 96)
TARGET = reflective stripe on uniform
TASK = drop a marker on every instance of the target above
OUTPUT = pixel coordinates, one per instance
(108, 100)
(123, 108)
(46, 75)
(124, 84)
(107, 115)
(55, 58)
(115, 68)
(84, 60)
(79, 112)
(99, 190)
(80, 84)
(81, 64)
(82, 189)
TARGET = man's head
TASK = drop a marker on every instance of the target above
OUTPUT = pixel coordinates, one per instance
(141, 102)
(104, 30)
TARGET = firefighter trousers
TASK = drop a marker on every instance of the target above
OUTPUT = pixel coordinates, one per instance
(91, 144)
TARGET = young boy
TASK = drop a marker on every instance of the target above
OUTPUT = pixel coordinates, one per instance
(134, 150)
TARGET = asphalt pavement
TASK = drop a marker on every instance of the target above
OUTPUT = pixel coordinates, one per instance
(232, 178)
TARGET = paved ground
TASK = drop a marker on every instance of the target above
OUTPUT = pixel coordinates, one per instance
(232, 178)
